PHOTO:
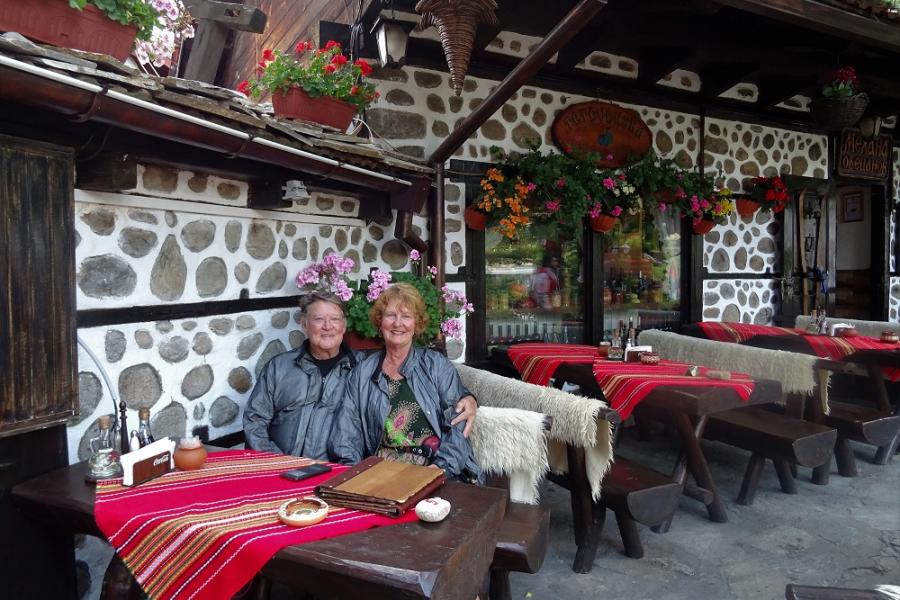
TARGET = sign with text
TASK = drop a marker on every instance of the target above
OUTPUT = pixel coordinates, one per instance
(862, 158)
(617, 134)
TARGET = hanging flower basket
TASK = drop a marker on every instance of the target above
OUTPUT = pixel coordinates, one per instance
(703, 226)
(838, 112)
(54, 22)
(475, 219)
(603, 223)
(324, 110)
(746, 207)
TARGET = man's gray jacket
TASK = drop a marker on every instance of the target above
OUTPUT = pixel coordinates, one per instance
(359, 427)
(292, 407)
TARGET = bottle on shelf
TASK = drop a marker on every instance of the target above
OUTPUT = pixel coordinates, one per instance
(607, 293)
(144, 435)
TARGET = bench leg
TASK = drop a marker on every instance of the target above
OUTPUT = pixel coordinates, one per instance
(119, 583)
(585, 514)
(794, 472)
(631, 539)
(822, 473)
(500, 589)
(843, 455)
(785, 477)
(751, 479)
(885, 454)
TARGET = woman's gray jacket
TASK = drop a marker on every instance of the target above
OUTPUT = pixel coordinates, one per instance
(292, 407)
(359, 426)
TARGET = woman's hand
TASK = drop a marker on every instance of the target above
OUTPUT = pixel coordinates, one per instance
(466, 409)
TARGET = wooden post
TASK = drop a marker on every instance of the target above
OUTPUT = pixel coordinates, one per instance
(216, 19)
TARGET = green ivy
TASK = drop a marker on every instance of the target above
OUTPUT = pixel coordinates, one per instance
(126, 12)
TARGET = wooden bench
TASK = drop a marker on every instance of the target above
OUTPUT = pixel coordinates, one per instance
(770, 435)
(638, 494)
(875, 426)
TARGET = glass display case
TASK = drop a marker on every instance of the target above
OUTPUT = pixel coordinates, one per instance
(534, 285)
(642, 271)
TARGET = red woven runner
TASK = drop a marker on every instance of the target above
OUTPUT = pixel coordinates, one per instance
(537, 362)
(740, 332)
(626, 384)
(204, 534)
(837, 348)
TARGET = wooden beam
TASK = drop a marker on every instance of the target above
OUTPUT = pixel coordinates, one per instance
(212, 33)
(718, 78)
(824, 18)
(656, 63)
(774, 89)
(521, 74)
(229, 14)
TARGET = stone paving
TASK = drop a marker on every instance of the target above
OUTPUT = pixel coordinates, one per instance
(846, 534)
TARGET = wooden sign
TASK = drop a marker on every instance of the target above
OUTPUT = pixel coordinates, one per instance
(617, 134)
(862, 158)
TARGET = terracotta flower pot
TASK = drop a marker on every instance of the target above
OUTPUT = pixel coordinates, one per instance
(324, 110)
(704, 226)
(746, 207)
(664, 196)
(603, 223)
(358, 342)
(475, 219)
(54, 22)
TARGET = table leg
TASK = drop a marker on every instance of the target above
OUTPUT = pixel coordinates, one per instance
(584, 516)
(885, 453)
(119, 583)
(691, 436)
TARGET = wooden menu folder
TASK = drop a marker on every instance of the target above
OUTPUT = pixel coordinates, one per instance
(381, 486)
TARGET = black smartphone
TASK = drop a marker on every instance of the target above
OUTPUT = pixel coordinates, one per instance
(306, 472)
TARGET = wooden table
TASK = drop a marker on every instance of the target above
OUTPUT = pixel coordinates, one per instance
(412, 560)
(688, 408)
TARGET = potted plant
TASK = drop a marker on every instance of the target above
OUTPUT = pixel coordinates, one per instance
(100, 26)
(770, 192)
(444, 306)
(842, 104)
(313, 84)
(744, 204)
(502, 202)
(705, 205)
(174, 25)
(657, 178)
(615, 195)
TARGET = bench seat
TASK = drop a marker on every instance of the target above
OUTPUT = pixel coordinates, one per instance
(862, 424)
(521, 545)
(771, 435)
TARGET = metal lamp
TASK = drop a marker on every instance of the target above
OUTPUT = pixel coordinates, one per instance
(391, 36)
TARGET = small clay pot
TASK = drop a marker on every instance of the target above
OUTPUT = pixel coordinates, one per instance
(189, 455)
(649, 358)
(889, 337)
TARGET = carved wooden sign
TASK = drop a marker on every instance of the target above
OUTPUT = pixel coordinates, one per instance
(862, 158)
(618, 134)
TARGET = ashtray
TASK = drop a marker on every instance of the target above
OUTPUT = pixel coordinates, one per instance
(432, 510)
(649, 358)
(301, 512)
(889, 337)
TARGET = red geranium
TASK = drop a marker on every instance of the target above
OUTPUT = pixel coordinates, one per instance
(771, 193)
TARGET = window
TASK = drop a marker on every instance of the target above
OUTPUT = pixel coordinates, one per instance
(534, 285)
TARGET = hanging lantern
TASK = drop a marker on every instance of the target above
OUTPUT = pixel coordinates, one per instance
(457, 22)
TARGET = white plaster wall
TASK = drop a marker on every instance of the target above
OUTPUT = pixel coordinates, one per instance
(852, 249)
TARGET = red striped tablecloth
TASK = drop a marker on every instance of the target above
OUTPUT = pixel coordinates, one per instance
(537, 362)
(626, 384)
(838, 348)
(204, 534)
(741, 332)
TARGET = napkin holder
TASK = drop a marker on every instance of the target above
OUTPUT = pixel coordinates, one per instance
(149, 462)
(837, 327)
(633, 353)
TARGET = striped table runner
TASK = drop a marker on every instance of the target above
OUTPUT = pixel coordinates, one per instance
(741, 332)
(204, 534)
(838, 348)
(626, 384)
(537, 362)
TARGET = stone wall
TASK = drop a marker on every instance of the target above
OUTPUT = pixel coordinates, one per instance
(735, 151)
(740, 300)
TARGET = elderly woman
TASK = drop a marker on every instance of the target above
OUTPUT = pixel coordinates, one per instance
(400, 401)
(296, 397)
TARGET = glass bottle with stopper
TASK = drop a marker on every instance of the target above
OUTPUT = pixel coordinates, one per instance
(104, 462)
(145, 437)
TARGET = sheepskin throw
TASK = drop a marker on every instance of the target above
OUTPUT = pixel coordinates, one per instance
(575, 418)
(512, 442)
(796, 372)
(868, 328)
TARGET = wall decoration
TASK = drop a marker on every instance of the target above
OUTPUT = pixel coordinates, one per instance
(862, 158)
(616, 133)
(852, 207)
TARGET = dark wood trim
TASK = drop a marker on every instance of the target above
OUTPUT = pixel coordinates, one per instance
(592, 262)
(880, 260)
(706, 275)
(476, 291)
(172, 312)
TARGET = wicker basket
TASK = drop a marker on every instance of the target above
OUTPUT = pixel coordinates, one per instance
(837, 113)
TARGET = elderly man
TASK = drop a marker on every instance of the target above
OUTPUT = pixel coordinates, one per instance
(298, 393)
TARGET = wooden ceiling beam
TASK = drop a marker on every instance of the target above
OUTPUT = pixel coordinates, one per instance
(774, 89)
(717, 78)
(656, 63)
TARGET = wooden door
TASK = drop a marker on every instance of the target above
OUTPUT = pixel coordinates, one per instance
(38, 359)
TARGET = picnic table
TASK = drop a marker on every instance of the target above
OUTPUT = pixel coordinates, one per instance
(409, 560)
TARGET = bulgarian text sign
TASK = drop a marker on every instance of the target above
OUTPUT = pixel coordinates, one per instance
(617, 134)
(862, 158)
